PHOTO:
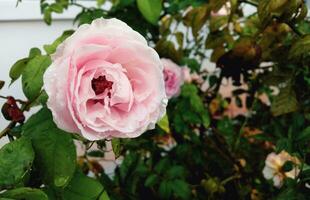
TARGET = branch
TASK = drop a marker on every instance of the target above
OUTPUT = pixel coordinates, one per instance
(17, 100)
(76, 4)
(25, 107)
(292, 26)
(7, 129)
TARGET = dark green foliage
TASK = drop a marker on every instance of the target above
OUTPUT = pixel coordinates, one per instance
(201, 149)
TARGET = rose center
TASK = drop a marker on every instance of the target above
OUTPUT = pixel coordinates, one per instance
(101, 84)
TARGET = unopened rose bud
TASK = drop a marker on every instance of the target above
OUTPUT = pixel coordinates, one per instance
(11, 111)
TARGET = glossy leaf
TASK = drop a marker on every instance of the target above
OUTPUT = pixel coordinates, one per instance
(301, 48)
(150, 9)
(54, 148)
(164, 124)
(181, 189)
(116, 146)
(1, 84)
(24, 193)
(50, 49)
(285, 102)
(165, 189)
(32, 76)
(15, 160)
(17, 69)
(82, 187)
(151, 180)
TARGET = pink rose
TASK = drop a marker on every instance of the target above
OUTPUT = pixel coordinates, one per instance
(105, 82)
(173, 76)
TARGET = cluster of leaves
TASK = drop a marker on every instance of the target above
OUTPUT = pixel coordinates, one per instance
(196, 151)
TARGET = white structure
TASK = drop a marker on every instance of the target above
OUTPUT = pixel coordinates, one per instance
(22, 28)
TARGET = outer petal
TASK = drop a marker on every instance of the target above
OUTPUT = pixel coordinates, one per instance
(268, 172)
(100, 31)
(55, 79)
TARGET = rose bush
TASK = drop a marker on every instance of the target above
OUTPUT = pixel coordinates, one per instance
(237, 125)
(105, 82)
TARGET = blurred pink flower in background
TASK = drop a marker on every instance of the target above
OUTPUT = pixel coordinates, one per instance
(173, 76)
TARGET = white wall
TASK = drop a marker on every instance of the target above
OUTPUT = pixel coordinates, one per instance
(22, 28)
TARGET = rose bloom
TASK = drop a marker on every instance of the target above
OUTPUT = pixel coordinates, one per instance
(273, 167)
(105, 82)
(174, 78)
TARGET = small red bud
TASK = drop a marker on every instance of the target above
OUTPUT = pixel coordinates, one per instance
(11, 111)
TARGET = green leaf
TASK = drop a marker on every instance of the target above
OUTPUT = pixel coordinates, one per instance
(57, 8)
(188, 90)
(304, 135)
(32, 76)
(180, 38)
(165, 189)
(191, 63)
(130, 161)
(283, 144)
(291, 194)
(120, 4)
(100, 2)
(300, 48)
(206, 121)
(51, 194)
(104, 196)
(164, 124)
(181, 189)
(96, 153)
(277, 6)
(162, 165)
(25, 193)
(47, 16)
(40, 100)
(82, 187)
(196, 18)
(304, 27)
(150, 9)
(1, 84)
(51, 48)
(218, 22)
(54, 148)
(34, 52)
(167, 49)
(17, 69)
(151, 180)
(176, 172)
(285, 102)
(116, 146)
(15, 160)
(263, 12)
